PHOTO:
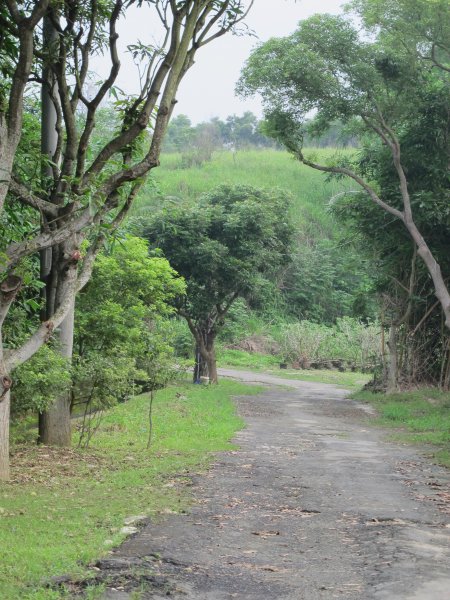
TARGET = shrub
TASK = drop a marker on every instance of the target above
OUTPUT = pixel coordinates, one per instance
(348, 340)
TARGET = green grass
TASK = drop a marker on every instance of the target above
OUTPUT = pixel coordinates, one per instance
(347, 379)
(260, 168)
(65, 508)
(228, 357)
(419, 417)
(254, 361)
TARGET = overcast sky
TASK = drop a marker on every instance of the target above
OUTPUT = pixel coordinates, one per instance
(208, 88)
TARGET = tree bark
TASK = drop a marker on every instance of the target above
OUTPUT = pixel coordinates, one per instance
(200, 367)
(4, 435)
(209, 354)
(212, 367)
(55, 423)
(392, 385)
(205, 354)
(8, 291)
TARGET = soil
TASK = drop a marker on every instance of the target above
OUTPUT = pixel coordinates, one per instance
(315, 504)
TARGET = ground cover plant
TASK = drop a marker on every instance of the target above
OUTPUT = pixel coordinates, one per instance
(419, 416)
(69, 505)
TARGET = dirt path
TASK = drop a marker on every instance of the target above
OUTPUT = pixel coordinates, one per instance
(314, 505)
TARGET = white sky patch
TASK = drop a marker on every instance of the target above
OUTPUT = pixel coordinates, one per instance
(208, 88)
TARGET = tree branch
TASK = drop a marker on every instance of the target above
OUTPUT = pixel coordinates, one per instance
(9, 289)
(16, 357)
(26, 196)
(359, 180)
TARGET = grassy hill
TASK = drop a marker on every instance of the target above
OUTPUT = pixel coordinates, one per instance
(260, 168)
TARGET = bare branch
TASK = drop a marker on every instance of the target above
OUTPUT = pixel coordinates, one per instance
(104, 88)
(16, 357)
(359, 180)
(26, 196)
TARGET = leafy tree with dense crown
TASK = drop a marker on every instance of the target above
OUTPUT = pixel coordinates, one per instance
(117, 334)
(85, 194)
(227, 246)
(372, 83)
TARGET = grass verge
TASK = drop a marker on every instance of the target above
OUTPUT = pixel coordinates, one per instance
(270, 364)
(64, 508)
(418, 417)
(347, 379)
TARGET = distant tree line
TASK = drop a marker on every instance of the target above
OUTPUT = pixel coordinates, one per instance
(237, 133)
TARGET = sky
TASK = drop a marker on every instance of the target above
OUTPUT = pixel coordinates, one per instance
(208, 88)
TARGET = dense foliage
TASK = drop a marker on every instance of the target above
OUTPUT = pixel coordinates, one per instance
(230, 244)
(389, 85)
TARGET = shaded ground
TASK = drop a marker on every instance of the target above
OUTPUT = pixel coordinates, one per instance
(314, 505)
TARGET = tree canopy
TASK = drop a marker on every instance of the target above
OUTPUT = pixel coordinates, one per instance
(84, 189)
(229, 245)
(371, 82)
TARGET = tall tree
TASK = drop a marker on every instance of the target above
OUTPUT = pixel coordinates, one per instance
(88, 195)
(228, 246)
(370, 82)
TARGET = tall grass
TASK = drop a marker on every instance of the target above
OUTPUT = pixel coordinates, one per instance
(347, 340)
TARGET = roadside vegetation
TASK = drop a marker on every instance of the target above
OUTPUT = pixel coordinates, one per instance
(315, 249)
(416, 417)
(64, 508)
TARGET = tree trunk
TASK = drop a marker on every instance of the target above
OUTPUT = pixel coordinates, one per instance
(212, 367)
(392, 383)
(205, 354)
(201, 366)
(55, 423)
(8, 291)
(209, 354)
(4, 436)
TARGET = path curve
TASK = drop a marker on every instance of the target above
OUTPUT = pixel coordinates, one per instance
(315, 505)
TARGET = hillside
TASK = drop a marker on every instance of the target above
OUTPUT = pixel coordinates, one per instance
(262, 168)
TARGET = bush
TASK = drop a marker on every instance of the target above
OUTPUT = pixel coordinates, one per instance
(349, 340)
(40, 381)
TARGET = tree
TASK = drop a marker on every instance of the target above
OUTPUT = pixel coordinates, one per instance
(87, 196)
(227, 246)
(117, 334)
(370, 82)
(179, 134)
(404, 288)
(420, 26)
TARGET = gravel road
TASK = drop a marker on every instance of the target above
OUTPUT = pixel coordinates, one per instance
(315, 504)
